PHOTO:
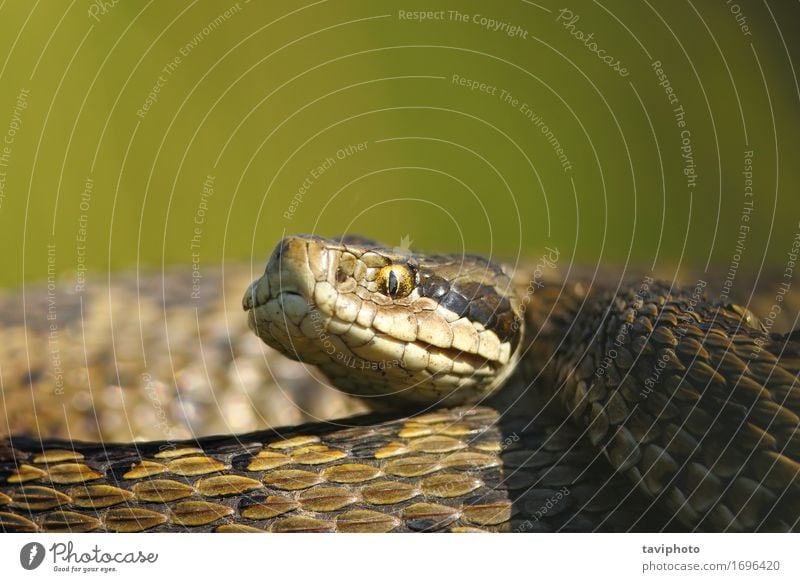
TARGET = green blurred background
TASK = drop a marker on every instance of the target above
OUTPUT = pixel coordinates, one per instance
(264, 93)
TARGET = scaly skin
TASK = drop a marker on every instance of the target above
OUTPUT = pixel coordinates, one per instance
(645, 409)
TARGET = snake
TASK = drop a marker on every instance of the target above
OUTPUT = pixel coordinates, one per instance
(501, 400)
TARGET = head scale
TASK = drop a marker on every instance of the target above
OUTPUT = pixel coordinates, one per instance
(392, 325)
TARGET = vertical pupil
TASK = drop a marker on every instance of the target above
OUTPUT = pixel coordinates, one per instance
(393, 283)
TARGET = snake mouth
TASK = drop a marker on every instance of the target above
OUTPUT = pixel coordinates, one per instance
(379, 323)
(445, 359)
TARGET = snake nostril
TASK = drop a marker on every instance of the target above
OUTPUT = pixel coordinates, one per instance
(249, 299)
(257, 294)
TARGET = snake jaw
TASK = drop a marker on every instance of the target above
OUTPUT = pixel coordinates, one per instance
(452, 338)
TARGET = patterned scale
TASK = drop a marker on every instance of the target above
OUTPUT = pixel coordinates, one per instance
(692, 400)
(456, 470)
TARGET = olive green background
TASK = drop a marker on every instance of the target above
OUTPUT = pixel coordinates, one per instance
(268, 93)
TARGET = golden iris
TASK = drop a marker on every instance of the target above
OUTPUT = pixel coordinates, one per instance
(396, 281)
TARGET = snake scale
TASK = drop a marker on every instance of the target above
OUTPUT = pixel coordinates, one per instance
(501, 404)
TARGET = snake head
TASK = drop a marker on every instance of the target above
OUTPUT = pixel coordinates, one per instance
(405, 328)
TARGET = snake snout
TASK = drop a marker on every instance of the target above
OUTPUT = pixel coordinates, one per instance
(289, 269)
(279, 301)
(288, 272)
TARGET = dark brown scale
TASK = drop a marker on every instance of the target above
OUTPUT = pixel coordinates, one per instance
(455, 302)
(433, 286)
(477, 302)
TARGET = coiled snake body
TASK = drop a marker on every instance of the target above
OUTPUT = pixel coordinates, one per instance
(518, 405)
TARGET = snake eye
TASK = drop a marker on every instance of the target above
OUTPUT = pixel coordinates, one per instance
(396, 281)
